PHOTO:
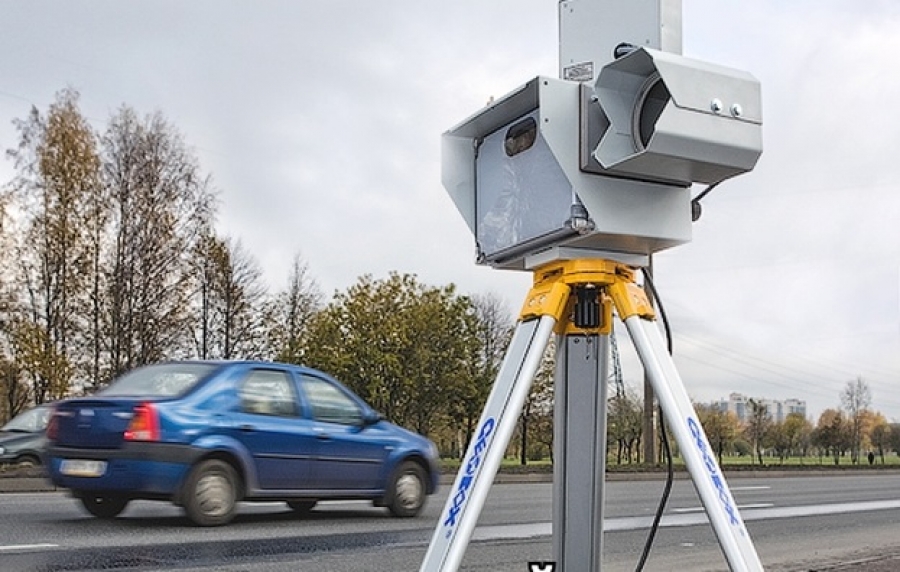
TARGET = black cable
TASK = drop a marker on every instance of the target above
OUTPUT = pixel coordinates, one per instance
(670, 476)
(705, 192)
(662, 311)
(696, 209)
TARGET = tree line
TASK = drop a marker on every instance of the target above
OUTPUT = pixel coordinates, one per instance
(110, 260)
(853, 431)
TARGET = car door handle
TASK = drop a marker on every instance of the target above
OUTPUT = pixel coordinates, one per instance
(323, 437)
(247, 428)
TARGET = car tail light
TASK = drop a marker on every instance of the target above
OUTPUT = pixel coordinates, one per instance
(144, 425)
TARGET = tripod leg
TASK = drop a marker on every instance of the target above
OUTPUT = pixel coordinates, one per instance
(482, 460)
(694, 446)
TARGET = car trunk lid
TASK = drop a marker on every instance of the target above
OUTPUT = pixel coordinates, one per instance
(94, 423)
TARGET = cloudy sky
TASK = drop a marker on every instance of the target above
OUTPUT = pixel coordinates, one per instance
(320, 124)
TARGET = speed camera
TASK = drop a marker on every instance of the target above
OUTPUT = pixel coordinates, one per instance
(608, 167)
(513, 170)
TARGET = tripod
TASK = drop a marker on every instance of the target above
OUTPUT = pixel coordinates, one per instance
(575, 299)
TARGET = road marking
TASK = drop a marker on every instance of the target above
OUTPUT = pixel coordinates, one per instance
(537, 529)
(27, 547)
(752, 488)
(740, 507)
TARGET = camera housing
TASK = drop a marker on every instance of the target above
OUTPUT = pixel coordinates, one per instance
(677, 120)
(557, 165)
(514, 172)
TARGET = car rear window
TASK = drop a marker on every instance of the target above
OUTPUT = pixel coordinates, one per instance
(161, 380)
(31, 421)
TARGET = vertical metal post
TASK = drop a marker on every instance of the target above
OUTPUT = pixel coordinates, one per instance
(579, 450)
(589, 31)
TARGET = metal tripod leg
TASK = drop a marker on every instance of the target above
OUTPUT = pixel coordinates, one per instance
(693, 445)
(482, 460)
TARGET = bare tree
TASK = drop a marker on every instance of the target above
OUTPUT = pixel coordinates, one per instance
(161, 204)
(291, 312)
(232, 294)
(539, 403)
(494, 328)
(856, 399)
(625, 424)
(758, 426)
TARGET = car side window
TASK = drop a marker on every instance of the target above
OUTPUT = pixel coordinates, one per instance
(268, 392)
(330, 404)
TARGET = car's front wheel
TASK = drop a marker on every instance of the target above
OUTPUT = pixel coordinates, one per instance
(103, 506)
(211, 493)
(407, 490)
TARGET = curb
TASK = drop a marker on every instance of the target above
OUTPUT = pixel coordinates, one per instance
(35, 483)
(26, 485)
(447, 478)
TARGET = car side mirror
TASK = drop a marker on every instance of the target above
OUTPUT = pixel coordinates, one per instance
(371, 418)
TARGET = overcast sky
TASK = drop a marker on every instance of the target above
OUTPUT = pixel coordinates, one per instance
(320, 124)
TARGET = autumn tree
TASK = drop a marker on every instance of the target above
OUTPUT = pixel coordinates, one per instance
(880, 435)
(57, 181)
(721, 427)
(14, 390)
(856, 399)
(401, 345)
(160, 204)
(833, 434)
(789, 436)
(893, 437)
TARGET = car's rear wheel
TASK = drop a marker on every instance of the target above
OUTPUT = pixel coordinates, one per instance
(211, 493)
(301, 506)
(406, 495)
(103, 506)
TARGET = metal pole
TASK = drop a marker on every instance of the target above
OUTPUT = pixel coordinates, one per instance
(579, 444)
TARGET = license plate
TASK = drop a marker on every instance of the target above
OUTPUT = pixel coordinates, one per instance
(82, 468)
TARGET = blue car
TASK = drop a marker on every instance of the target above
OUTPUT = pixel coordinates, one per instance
(205, 435)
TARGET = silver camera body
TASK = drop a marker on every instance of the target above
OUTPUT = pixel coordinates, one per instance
(559, 164)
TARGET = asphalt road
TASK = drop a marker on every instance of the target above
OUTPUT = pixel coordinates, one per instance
(847, 522)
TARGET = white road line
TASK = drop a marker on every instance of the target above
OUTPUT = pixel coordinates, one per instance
(740, 507)
(538, 529)
(752, 488)
(27, 547)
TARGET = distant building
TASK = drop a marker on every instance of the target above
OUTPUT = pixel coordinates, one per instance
(739, 405)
